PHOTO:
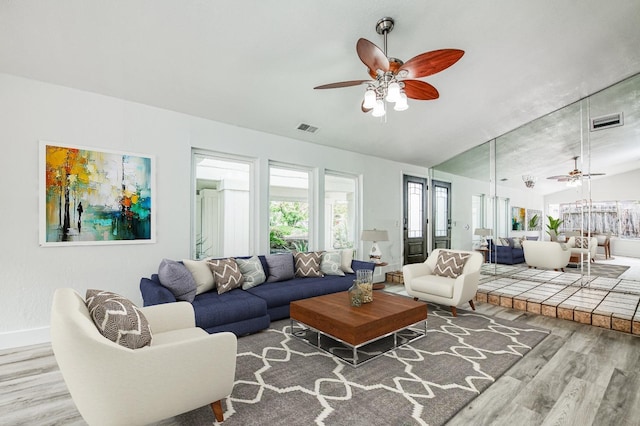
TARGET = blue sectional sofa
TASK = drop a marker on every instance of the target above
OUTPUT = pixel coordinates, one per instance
(505, 254)
(248, 311)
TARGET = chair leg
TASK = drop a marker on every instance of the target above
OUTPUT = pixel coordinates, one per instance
(453, 311)
(472, 305)
(217, 410)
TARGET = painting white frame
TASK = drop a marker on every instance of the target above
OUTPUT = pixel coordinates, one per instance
(97, 189)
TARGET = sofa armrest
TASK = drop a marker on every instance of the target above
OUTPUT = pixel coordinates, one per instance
(361, 264)
(172, 377)
(169, 316)
(413, 270)
(466, 287)
(154, 293)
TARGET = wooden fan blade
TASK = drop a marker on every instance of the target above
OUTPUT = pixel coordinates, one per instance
(429, 63)
(372, 56)
(365, 110)
(416, 89)
(594, 174)
(560, 177)
(342, 84)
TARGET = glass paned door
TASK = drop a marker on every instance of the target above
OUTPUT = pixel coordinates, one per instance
(441, 214)
(415, 220)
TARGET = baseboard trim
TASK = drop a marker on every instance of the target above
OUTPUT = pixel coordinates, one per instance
(20, 338)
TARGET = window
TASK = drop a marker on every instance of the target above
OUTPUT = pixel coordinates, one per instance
(222, 206)
(290, 216)
(340, 210)
(415, 209)
(619, 218)
(442, 207)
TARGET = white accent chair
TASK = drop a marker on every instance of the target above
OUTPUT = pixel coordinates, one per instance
(421, 283)
(589, 252)
(184, 368)
(546, 254)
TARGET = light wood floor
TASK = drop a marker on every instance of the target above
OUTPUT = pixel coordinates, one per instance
(579, 375)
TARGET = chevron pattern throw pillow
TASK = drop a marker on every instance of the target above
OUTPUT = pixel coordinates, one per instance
(307, 264)
(582, 242)
(118, 319)
(450, 264)
(226, 274)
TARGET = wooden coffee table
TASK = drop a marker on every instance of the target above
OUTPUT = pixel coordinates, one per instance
(358, 334)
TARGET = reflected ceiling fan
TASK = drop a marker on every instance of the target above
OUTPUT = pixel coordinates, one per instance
(574, 175)
(393, 79)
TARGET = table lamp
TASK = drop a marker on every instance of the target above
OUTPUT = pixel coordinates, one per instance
(484, 233)
(374, 235)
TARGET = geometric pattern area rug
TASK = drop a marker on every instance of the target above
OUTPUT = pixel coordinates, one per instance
(281, 380)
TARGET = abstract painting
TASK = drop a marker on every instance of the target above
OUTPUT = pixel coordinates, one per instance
(90, 196)
(517, 218)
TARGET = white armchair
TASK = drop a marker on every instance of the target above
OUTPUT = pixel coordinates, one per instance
(546, 254)
(184, 368)
(421, 283)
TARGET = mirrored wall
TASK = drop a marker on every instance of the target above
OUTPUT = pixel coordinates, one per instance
(579, 166)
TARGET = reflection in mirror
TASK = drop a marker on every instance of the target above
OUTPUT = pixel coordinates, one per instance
(222, 206)
(471, 198)
(580, 165)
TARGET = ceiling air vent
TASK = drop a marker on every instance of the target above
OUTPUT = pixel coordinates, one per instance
(606, 121)
(307, 128)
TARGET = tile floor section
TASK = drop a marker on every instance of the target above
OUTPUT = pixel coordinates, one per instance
(600, 301)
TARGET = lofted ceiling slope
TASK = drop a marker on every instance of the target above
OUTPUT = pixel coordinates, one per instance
(254, 63)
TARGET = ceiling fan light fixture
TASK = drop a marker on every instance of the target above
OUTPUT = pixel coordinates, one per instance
(393, 92)
(529, 180)
(369, 99)
(401, 103)
(378, 109)
(574, 183)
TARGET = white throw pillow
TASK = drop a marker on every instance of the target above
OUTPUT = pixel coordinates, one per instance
(346, 258)
(201, 274)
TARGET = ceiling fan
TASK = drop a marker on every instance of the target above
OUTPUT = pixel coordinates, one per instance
(574, 174)
(393, 79)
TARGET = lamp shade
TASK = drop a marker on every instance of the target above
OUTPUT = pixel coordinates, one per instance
(374, 235)
(483, 232)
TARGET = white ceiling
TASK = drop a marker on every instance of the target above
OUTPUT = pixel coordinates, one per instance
(254, 63)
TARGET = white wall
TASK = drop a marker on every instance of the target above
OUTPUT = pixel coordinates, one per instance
(31, 111)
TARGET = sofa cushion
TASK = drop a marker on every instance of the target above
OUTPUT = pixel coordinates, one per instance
(347, 258)
(330, 263)
(212, 309)
(201, 274)
(433, 284)
(226, 274)
(515, 242)
(252, 272)
(307, 264)
(450, 264)
(118, 319)
(280, 267)
(177, 278)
